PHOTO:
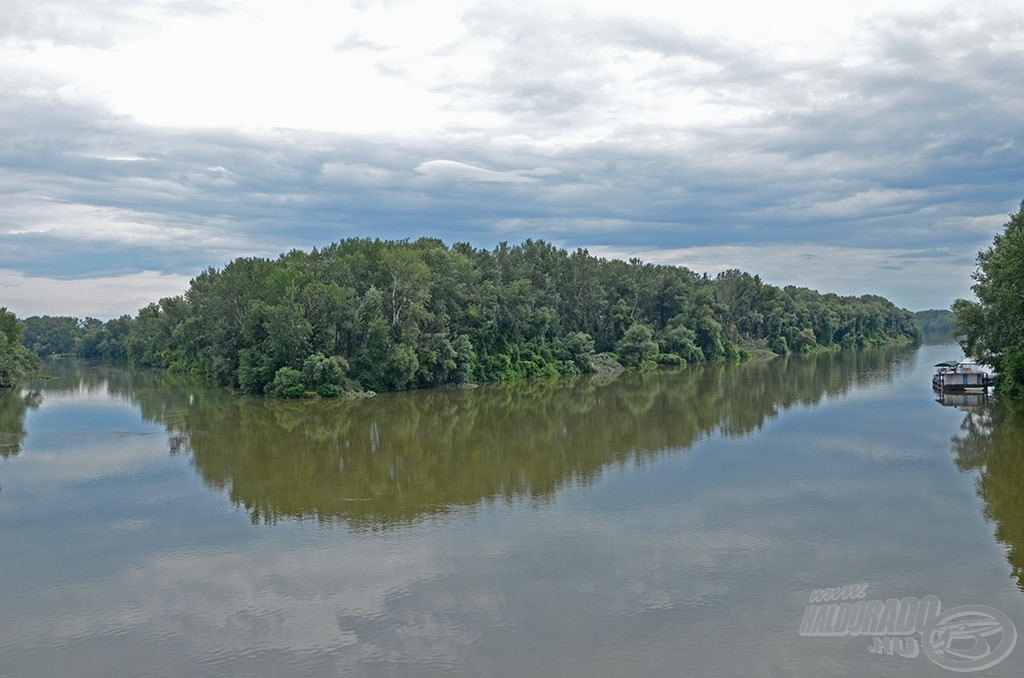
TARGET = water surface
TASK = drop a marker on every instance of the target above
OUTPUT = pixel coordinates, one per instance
(669, 523)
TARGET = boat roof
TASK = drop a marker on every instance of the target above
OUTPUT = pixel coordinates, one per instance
(948, 363)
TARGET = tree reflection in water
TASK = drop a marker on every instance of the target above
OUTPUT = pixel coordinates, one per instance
(991, 442)
(400, 457)
(13, 406)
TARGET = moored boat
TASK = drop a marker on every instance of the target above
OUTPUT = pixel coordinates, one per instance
(952, 376)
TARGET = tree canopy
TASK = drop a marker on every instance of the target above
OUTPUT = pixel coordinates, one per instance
(16, 361)
(936, 324)
(392, 315)
(993, 326)
(90, 338)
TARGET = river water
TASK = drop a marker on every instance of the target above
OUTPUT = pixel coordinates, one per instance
(657, 524)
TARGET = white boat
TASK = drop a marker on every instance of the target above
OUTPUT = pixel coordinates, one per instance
(966, 376)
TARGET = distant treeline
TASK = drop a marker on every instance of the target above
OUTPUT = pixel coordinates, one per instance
(936, 324)
(391, 315)
(66, 336)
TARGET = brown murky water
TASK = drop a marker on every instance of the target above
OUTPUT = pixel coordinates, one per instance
(669, 523)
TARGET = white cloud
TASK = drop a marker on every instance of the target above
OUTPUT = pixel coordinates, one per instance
(90, 223)
(98, 297)
(265, 64)
(458, 171)
(868, 202)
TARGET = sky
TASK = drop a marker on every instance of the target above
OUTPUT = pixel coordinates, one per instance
(855, 147)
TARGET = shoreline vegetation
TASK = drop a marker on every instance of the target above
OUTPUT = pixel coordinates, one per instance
(16, 361)
(363, 316)
(992, 328)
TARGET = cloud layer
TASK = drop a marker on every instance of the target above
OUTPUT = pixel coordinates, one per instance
(166, 137)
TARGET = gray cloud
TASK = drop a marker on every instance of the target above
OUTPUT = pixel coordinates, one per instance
(459, 171)
(914, 147)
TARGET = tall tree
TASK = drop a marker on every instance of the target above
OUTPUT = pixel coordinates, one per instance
(16, 361)
(993, 326)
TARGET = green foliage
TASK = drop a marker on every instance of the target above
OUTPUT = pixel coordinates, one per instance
(104, 341)
(636, 346)
(752, 312)
(323, 374)
(576, 351)
(287, 383)
(680, 340)
(16, 361)
(51, 335)
(936, 324)
(399, 314)
(91, 338)
(992, 328)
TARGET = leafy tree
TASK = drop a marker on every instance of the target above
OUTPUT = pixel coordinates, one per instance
(50, 335)
(325, 375)
(16, 361)
(636, 346)
(993, 326)
(287, 383)
(680, 340)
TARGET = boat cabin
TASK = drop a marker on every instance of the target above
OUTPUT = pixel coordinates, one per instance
(954, 375)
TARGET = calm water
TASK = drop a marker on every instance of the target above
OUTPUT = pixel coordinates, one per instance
(667, 524)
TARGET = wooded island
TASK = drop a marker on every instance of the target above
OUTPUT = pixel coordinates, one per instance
(384, 315)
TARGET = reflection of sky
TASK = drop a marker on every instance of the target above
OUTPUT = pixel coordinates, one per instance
(692, 563)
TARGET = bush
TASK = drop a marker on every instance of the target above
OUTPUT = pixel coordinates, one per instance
(329, 390)
(636, 346)
(287, 383)
(319, 370)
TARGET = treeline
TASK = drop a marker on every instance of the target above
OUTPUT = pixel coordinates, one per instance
(800, 320)
(392, 315)
(387, 315)
(936, 324)
(67, 336)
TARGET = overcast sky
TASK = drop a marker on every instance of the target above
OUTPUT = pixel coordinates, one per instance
(845, 146)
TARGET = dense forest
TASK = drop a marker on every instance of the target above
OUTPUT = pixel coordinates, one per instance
(91, 339)
(936, 324)
(993, 326)
(392, 315)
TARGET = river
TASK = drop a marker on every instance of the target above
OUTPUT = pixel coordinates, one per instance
(655, 524)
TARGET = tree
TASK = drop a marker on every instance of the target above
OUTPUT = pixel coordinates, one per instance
(405, 314)
(636, 346)
(50, 335)
(993, 326)
(16, 361)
